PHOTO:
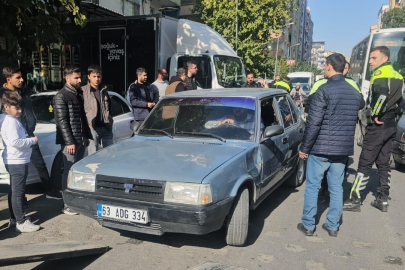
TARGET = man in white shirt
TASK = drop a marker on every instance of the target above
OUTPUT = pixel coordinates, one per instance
(159, 86)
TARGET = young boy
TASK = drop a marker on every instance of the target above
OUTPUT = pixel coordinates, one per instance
(16, 157)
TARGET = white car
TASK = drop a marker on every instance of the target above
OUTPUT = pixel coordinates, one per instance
(46, 132)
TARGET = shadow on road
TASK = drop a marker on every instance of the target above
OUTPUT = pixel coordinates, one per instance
(77, 263)
(40, 210)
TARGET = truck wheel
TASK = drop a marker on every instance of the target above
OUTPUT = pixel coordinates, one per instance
(57, 170)
(298, 177)
(238, 224)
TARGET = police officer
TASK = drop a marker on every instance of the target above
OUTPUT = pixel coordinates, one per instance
(382, 103)
(320, 82)
(284, 84)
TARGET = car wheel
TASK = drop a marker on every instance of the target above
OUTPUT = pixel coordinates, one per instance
(238, 224)
(395, 165)
(299, 176)
(57, 170)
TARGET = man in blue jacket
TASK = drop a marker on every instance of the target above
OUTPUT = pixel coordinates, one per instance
(328, 142)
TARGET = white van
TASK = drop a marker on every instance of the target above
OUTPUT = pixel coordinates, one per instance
(306, 79)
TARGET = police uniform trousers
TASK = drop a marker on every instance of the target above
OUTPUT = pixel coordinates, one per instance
(377, 147)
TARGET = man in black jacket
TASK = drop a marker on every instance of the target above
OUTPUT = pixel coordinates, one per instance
(14, 82)
(328, 142)
(72, 129)
(141, 96)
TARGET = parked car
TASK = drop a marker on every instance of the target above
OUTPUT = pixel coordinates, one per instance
(199, 161)
(46, 133)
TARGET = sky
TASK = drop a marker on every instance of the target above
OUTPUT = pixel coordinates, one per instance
(343, 23)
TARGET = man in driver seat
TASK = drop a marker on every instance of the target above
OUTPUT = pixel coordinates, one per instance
(240, 118)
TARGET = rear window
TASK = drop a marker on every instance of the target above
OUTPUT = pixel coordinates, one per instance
(299, 80)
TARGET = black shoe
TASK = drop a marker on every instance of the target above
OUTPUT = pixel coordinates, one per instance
(54, 195)
(301, 228)
(330, 232)
(352, 205)
(380, 205)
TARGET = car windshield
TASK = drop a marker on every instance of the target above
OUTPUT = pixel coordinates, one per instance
(299, 80)
(230, 71)
(43, 108)
(220, 118)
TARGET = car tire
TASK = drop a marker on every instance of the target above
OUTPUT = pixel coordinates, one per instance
(238, 220)
(299, 176)
(56, 171)
(395, 165)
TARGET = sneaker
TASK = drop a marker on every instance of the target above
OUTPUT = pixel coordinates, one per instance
(27, 226)
(330, 232)
(380, 205)
(353, 205)
(54, 195)
(13, 222)
(66, 210)
(301, 228)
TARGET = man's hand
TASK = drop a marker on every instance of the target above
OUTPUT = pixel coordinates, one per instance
(36, 139)
(71, 149)
(227, 121)
(151, 104)
(90, 127)
(288, 118)
(303, 156)
(378, 122)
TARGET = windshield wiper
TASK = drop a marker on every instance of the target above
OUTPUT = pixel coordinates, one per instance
(203, 134)
(161, 131)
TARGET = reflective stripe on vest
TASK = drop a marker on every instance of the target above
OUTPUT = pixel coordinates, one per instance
(283, 84)
(318, 84)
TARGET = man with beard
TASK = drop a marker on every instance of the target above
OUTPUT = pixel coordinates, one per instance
(191, 72)
(159, 86)
(250, 81)
(14, 82)
(72, 129)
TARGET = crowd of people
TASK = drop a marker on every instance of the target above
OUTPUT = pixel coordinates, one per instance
(83, 120)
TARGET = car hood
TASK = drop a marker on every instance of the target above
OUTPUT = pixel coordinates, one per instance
(161, 159)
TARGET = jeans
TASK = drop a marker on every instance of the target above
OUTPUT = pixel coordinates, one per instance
(18, 177)
(69, 160)
(38, 161)
(101, 135)
(317, 165)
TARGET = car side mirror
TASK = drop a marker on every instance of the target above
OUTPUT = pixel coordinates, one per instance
(272, 131)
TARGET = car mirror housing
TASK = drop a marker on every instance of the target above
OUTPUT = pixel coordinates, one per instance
(271, 131)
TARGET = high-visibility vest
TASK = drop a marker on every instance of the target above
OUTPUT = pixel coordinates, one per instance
(283, 84)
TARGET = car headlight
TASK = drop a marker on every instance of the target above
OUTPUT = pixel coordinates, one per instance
(186, 193)
(81, 181)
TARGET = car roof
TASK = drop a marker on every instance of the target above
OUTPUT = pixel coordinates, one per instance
(229, 92)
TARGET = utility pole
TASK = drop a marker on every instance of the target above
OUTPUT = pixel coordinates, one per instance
(236, 29)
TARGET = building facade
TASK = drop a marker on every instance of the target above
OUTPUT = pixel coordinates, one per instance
(384, 9)
(318, 54)
(308, 33)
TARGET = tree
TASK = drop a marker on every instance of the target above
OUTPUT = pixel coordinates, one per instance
(394, 18)
(256, 19)
(28, 24)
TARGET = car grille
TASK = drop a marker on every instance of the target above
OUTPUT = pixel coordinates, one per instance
(144, 190)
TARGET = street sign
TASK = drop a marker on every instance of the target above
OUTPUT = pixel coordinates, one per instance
(291, 62)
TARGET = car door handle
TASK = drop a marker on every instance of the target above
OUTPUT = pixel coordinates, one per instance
(285, 140)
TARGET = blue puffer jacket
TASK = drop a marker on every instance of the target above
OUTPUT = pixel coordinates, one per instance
(332, 118)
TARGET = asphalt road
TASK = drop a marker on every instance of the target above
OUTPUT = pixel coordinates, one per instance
(366, 240)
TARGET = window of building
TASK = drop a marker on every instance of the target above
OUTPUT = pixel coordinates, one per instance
(131, 7)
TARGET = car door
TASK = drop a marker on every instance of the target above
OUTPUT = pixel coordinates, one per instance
(122, 115)
(287, 118)
(274, 149)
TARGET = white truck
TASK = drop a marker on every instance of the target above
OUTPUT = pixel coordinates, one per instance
(306, 79)
(121, 45)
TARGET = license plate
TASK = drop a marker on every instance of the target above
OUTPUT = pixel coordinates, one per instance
(122, 213)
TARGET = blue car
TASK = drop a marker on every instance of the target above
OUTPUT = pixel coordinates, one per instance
(200, 161)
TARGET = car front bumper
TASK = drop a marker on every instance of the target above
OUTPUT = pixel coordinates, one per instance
(162, 217)
(398, 151)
